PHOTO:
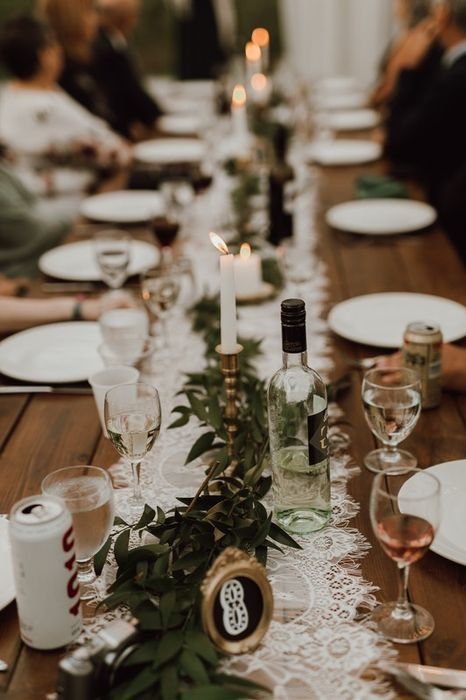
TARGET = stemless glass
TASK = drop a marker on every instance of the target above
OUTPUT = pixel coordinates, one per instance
(405, 515)
(133, 417)
(112, 253)
(88, 494)
(160, 290)
(392, 403)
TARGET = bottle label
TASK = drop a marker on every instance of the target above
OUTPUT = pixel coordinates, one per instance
(317, 431)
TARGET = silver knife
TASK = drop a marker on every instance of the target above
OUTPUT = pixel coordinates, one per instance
(37, 389)
(447, 677)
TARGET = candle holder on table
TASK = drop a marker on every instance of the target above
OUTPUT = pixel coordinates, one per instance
(230, 372)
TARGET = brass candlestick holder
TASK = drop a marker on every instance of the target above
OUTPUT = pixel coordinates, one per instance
(230, 371)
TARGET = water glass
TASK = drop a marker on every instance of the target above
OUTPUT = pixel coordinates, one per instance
(106, 379)
(133, 416)
(160, 290)
(113, 254)
(405, 514)
(392, 403)
(88, 494)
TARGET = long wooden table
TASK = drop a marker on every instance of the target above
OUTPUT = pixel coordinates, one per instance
(39, 433)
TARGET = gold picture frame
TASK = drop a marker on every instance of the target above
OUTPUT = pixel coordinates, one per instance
(233, 565)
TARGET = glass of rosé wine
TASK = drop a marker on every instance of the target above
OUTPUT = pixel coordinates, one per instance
(405, 514)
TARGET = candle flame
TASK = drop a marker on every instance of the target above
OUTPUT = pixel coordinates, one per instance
(219, 243)
(253, 52)
(238, 98)
(245, 251)
(258, 81)
(260, 36)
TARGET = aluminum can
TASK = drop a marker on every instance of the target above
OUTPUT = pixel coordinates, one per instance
(45, 572)
(422, 351)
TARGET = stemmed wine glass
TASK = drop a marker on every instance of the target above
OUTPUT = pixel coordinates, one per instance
(133, 417)
(112, 252)
(88, 494)
(405, 514)
(160, 291)
(392, 404)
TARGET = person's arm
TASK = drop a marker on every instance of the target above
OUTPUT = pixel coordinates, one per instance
(453, 366)
(16, 314)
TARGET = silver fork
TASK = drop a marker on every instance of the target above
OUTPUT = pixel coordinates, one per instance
(362, 362)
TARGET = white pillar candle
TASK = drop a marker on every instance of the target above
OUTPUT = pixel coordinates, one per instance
(238, 112)
(248, 272)
(261, 38)
(228, 339)
(260, 89)
(253, 60)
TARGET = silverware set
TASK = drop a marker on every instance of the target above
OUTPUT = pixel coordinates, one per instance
(42, 389)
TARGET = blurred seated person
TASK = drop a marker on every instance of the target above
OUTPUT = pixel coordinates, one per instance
(27, 229)
(409, 15)
(134, 110)
(426, 127)
(75, 25)
(452, 209)
(453, 366)
(206, 32)
(16, 314)
(59, 146)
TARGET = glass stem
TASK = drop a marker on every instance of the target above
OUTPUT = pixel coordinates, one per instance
(86, 573)
(164, 322)
(403, 610)
(136, 469)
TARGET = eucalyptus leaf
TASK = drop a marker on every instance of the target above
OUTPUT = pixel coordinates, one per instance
(101, 557)
(193, 666)
(202, 444)
(121, 548)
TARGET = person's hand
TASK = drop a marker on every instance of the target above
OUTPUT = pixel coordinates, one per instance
(453, 366)
(415, 46)
(11, 287)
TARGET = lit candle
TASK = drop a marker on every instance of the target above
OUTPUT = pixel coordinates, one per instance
(238, 111)
(227, 297)
(253, 59)
(261, 38)
(248, 272)
(260, 89)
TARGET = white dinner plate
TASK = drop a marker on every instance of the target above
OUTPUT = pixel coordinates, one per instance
(7, 584)
(123, 207)
(179, 124)
(346, 100)
(377, 217)
(52, 354)
(381, 319)
(167, 151)
(353, 120)
(344, 152)
(76, 261)
(450, 540)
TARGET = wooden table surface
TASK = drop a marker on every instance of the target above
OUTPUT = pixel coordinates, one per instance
(40, 433)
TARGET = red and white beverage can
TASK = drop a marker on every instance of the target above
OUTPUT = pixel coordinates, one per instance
(45, 571)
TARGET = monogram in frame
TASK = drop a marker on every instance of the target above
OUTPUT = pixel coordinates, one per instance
(237, 603)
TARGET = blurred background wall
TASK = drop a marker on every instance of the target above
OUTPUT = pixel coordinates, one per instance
(321, 37)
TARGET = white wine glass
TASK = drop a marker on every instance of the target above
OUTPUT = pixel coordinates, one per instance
(88, 494)
(405, 514)
(392, 403)
(161, 288)
(133, 416)
(113, 254)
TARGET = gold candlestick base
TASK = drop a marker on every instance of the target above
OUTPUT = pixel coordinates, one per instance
(230, 371)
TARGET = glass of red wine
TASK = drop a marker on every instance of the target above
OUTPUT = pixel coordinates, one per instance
(405, 514)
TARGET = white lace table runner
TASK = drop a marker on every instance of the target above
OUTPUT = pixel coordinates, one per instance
(314, 648)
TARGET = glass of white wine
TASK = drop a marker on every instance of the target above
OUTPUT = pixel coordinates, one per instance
(392, 404)
(88, 494)
(112, 254)
(133, 416)
(161, 288)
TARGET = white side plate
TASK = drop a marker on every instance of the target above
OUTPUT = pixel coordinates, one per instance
(344, 152)
(353, 120)
(52, 354)
(76, 261)
(381, 319)
(123, 207)
(450, 540)
(169, 151)
(381, 216)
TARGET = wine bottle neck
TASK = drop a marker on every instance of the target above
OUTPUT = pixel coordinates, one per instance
(295, 359)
